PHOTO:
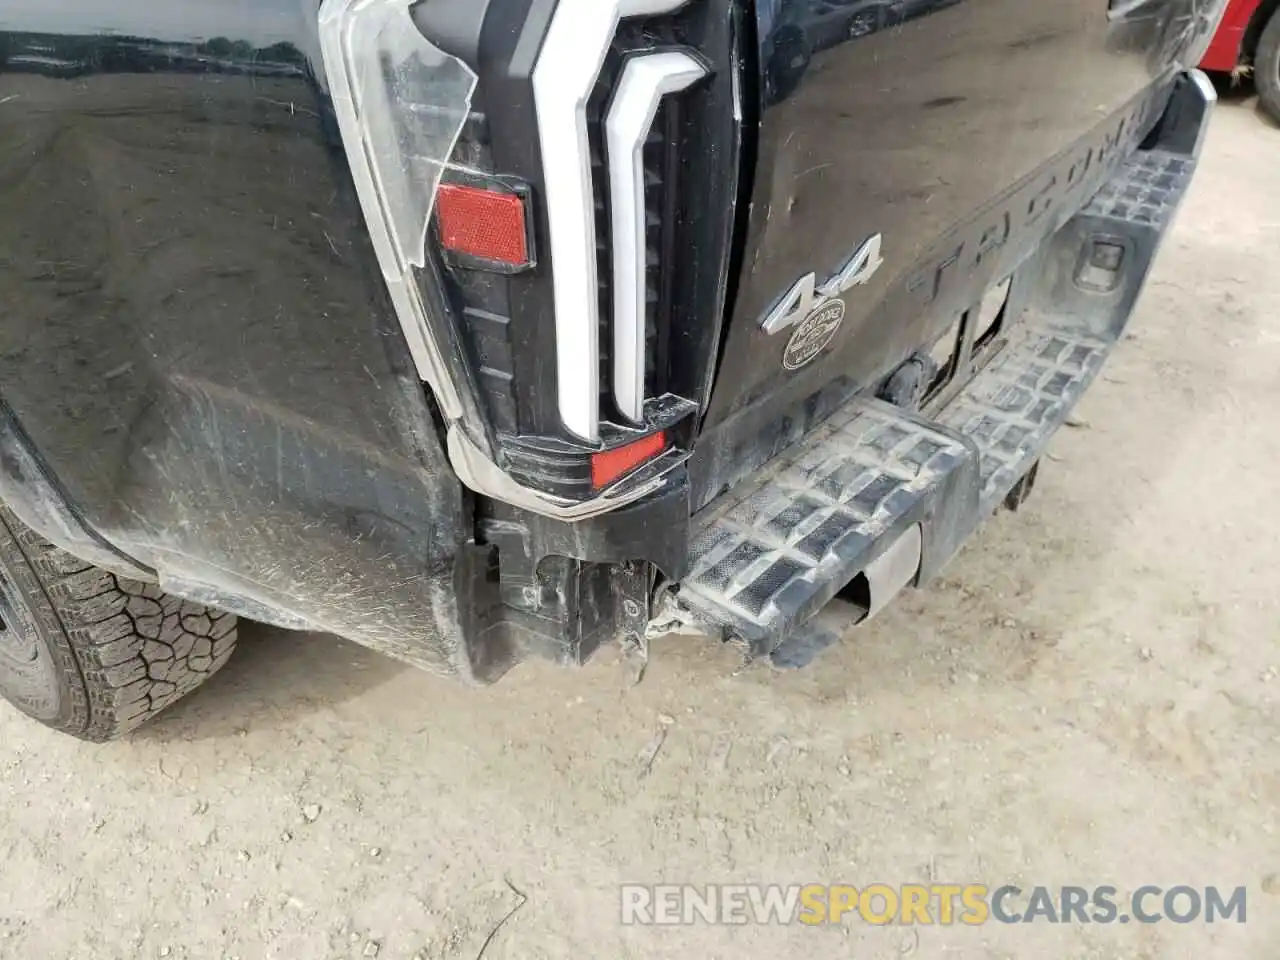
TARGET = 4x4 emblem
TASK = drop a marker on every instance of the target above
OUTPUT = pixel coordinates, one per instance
(818, 310)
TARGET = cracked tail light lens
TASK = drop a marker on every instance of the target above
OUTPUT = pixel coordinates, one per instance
(400, 103)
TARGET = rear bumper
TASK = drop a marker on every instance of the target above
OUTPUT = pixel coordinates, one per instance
(882, 497)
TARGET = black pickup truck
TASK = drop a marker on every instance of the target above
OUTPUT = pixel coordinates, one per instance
(482, 330)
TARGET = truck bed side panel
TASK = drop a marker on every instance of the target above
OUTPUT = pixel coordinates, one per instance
(193, 332)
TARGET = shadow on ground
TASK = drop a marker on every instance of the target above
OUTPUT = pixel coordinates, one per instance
(275, 676)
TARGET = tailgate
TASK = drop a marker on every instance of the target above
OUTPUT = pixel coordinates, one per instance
(914, 166)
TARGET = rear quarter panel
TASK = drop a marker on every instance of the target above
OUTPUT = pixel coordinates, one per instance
(193, 332)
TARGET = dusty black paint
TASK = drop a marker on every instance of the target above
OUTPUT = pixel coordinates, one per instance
(196, 343)
(917, 130)
(195, 335)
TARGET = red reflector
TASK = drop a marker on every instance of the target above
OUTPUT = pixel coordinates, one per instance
(483, 224)
(609, 465)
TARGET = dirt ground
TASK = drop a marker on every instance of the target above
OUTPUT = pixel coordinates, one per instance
(1088, 697)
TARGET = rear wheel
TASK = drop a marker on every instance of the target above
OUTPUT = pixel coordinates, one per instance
(90, 653)
(1266, 67)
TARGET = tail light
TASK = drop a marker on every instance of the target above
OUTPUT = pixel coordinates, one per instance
(573, 54)
(567, 375)
(400, 104)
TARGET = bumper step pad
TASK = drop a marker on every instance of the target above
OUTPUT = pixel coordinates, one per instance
(1013, 407)
(768, 558)
(777, 555)
(1147, 190)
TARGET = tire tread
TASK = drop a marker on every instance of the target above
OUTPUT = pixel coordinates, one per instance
(1266, 67)
(136, 649)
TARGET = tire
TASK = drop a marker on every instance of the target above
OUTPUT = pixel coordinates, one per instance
(1266, 67)
(90, 653)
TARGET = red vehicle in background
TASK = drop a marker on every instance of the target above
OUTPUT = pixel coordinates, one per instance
(1248, 41)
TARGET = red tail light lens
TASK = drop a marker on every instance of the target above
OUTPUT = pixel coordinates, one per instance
(608, 465)
(486, 225)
